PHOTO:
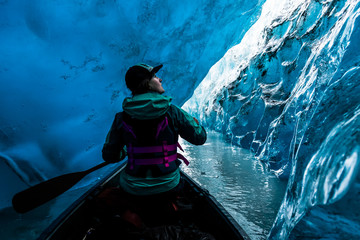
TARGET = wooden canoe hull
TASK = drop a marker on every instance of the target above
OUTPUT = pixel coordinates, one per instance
(201, 212)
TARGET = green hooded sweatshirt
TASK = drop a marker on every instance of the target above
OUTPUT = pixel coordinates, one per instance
(149, 106)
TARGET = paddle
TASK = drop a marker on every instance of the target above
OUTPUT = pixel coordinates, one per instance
(45, 191)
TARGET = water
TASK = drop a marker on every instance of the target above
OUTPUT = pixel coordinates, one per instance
(238, 181)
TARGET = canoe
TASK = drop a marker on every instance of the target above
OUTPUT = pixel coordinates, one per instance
(99, 214)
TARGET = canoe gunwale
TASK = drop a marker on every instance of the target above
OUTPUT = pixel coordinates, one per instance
(67, 213)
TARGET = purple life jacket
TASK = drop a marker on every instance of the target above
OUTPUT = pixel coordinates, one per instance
(163, 156)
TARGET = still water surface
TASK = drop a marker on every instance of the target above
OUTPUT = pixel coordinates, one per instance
(238, 181)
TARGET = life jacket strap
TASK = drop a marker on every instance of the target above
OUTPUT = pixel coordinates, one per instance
(161, 127)
(129, 129)
(155, 149)
(153, 161)
(180, 156)
(179, 146)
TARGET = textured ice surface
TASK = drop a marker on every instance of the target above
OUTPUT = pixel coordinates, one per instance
(290, 92)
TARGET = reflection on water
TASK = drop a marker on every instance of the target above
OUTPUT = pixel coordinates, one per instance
(238, 181)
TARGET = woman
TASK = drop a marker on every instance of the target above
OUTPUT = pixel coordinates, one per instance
(148, 128)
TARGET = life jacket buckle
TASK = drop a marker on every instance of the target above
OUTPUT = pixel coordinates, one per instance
(165, 152)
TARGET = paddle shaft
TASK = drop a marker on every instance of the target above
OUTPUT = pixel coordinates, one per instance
(43, 192)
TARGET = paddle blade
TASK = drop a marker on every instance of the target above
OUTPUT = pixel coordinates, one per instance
(43, 192)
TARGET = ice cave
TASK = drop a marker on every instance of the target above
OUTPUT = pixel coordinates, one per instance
(274, 82)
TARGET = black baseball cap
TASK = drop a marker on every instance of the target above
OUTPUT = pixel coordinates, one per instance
(138, 73)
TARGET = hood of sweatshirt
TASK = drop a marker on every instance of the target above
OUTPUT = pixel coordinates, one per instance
(149, 105)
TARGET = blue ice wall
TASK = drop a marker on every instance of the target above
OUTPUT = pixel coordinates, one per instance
(289, 91)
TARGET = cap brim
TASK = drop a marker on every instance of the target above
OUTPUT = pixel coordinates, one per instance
(156, 69)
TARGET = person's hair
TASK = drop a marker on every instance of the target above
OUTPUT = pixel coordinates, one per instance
(143, 87)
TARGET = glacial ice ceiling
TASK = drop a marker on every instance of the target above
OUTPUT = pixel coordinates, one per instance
(277, 77)
(63, 65)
